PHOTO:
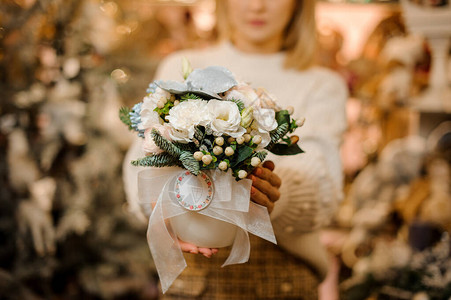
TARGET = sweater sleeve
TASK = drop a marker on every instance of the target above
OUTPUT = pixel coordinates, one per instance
(312, 182)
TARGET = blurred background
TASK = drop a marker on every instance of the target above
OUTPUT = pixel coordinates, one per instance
(67, 66)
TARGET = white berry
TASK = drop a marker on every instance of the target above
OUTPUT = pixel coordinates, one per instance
(247, 137)
(257, 139)
(242, 174)
(217, 150)
(206, 159)
(229, 151)
(230, 140)
(290, 110)
(219, 141)
(160, 104)
(255, 161)
(176, 102)
(223, 166)
(240, 140)
(300, 122)
(198, 155)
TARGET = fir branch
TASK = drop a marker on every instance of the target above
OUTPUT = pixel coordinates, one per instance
(157, 160)
(189, 96)
(277, 134)
(261, 155)
(189, 162)
(124, 116)
(164, 144)
(199, 134)
(238, 103)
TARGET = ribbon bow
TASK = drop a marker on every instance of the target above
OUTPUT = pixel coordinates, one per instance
(230, 203)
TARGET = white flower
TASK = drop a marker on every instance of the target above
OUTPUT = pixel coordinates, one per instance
(225, 118)
(266, 118)
(149, 145)
(265, 100)
(266, 138)
(185, 117)
(243, 92)
(149, 117)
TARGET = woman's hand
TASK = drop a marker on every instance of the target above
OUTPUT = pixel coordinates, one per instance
(190, 248)
(265, 185)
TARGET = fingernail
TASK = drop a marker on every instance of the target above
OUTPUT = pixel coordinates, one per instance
(193, 251)
(252, 190)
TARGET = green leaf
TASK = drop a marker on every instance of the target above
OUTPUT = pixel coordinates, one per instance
(157, 160)
(189, 162)
(165, 110)
(284, 149)
(243, 153)
(124, 116)
(282, 117)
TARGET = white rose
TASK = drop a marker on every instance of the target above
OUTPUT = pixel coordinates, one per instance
(149, 145)
(266, 118)
(243, 92)
(225, 118)
(185, 117)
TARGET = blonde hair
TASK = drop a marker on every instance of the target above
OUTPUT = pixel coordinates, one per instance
(300, 40)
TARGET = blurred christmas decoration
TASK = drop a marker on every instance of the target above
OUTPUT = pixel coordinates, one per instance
(65, 70)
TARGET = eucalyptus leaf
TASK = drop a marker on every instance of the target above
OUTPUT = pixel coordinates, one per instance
(214, 79)
(206, 83)
(284, 149)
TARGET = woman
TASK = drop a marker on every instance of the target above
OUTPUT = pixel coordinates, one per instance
(272, 45)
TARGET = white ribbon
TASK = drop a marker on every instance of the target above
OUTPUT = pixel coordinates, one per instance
(230, 204)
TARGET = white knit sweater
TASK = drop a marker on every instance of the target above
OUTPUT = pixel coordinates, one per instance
(311, 182)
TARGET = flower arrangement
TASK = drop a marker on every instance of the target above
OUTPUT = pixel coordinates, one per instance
(210, 121)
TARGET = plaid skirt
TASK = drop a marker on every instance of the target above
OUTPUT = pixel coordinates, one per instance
(270, 273)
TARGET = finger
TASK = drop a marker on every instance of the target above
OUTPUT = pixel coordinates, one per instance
(262, 199)
(266, 188)
(268, 175)
(269, 164)
(207, 252)
(188, 247)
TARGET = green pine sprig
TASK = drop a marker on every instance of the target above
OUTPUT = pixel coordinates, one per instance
(277, 134)
(164, 144)
(261, 155)
(157, 160)
(238, 103)
(189, 96)
(189, 162)
(124, 116)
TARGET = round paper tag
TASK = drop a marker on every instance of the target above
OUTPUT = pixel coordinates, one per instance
(192, 192)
